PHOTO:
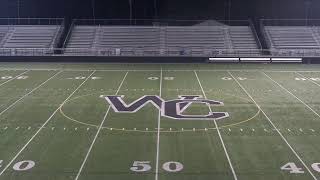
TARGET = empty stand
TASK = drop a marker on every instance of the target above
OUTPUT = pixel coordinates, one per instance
(170, 40)
(291, 37)
(129, 37)
(194, 38)
(30, 36)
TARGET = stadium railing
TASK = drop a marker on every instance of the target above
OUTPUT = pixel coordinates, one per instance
(158, 53)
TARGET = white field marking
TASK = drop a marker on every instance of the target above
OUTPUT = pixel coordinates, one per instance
(158, 132)
(13, 78)
(99, 129)
(292, 94)
(218, 130)
(314, 82)
(283, 138)
(312, 130)
(154, 70)
(14, 103)
(44, 124)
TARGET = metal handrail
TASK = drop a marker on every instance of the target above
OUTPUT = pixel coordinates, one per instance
(157, 52)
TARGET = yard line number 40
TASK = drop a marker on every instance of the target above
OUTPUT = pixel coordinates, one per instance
(294, 169)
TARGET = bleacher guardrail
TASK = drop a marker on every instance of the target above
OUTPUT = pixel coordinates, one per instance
(145, 52)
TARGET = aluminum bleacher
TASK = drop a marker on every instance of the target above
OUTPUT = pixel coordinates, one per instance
(29, 40)
(125, 39)
(161, 40)
(30, 36)
(195, 38)
(291, 37)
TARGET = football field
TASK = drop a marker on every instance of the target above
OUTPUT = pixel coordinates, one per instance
(159, 121)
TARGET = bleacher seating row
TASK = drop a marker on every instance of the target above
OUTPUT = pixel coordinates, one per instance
(215, 40)
(294, 38)
(173, 39)
(27, 36)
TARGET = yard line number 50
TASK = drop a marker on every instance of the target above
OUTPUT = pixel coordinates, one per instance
(144, 166)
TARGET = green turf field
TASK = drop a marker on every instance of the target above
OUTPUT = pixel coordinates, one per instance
(56, 122)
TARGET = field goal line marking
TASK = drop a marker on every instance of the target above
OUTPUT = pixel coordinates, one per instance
(43, 125)
(218, 130)
(14, 78)
(34, 89)
(98, 132)
(276, 129)
(158, 131)
(282, 87)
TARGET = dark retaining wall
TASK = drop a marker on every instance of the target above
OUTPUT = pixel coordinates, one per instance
(103, 59)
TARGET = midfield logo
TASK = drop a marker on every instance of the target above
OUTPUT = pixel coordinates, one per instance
(172, 109)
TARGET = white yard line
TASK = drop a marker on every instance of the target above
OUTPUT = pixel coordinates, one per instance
(43, 125)
(218, 130)
(308, 79)
(158, 133)
(292, 94)
(98, 132)
(14, 103)
(275, 128)
(13, 78)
